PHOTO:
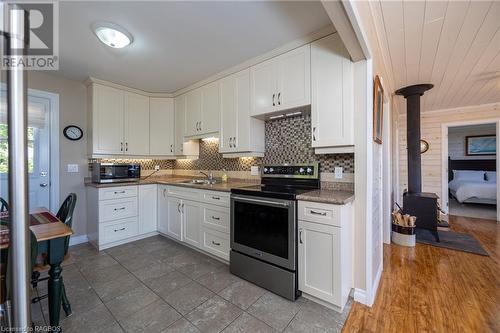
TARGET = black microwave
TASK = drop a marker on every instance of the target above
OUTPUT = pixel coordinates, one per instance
(115, 172)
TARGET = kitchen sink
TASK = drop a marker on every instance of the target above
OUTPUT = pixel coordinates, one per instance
(199, 182)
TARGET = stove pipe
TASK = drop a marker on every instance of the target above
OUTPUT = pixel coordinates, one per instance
(412, 95)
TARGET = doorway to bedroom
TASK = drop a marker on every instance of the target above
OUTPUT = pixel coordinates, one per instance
(472, 166)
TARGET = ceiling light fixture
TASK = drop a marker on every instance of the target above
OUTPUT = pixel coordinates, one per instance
(112, 34)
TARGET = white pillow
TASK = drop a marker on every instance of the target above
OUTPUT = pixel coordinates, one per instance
(491, 176)
(470, 175)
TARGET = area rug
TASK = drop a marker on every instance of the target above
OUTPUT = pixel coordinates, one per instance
(451, 240)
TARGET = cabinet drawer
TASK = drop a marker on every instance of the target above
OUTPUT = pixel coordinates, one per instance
(216, 243)
(117, 192)
(216, 198)
(183, 193)
(216, 218)
(118, 230)
(117, 209)
(319, 213)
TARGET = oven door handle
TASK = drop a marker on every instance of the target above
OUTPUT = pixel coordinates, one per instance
(283, 204)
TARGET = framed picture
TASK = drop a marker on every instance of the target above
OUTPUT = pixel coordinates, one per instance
(378, 110)
(480, 145)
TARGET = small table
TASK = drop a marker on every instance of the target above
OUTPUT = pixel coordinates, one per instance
(50, 234)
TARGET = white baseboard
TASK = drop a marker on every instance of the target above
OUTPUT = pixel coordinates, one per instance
(74, 240)
(360, 295)
(376, 283)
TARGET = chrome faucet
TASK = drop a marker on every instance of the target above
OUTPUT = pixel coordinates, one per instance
(210, 177)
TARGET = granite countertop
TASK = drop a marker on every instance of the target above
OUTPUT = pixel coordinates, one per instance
(178, 181)
(327, 196)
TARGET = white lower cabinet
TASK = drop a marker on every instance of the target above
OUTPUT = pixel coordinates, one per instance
(191, 221)
(325, 252)
(121, 214)
(174, 220)
(147, 208)
(199, 218)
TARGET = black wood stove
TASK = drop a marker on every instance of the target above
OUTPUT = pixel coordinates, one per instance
(415, 202)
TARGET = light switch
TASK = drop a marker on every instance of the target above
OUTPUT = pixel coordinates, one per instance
(72, 167)
(157, 168)
(254, 170)
(338, 173)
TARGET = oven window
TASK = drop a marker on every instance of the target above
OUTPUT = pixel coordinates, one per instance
(261, 227)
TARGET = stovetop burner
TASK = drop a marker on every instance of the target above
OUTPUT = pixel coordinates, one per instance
(284, 181)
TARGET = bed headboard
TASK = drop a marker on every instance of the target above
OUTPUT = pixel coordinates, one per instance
(486, 165)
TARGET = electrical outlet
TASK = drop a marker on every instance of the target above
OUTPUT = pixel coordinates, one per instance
(72, 167)
(338, 173)
(157, 168)
(254, 170)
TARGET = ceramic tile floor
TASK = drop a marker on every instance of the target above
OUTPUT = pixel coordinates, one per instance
(157, 285)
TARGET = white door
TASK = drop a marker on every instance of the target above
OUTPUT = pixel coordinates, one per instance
(161, 126)
(180, 123)
(263, 87)
(319, 261)
(294, 78)
(228, 114)
(136, 124)
(174, 220)
(107, 121)
(162, 211)
(193, 112)
(210, 108)
(38, 151)
(192, 222)
(147, 208)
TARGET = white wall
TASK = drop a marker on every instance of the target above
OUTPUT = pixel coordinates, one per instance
(456, 140)
(72, 111)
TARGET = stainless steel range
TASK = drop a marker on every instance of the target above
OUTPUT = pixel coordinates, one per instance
(264, 227)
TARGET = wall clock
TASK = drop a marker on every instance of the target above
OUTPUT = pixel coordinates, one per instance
(73, 132)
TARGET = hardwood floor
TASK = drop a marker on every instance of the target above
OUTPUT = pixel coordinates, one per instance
(431, 289)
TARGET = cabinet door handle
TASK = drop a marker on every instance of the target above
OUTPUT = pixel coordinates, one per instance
(126, 146)
(164, 191)
(215, 243)
(171, 148)
(300, 236)
(119, 192)
(121, 208)
(234, 141)
(121, 146)
(179, 207)
(216, 198)
(200, 125)
(121, 229)
(182, 208)
(314, 133)
(317, 213)
(279, 98)
(273, 100)
(215, 218)
(230, 142)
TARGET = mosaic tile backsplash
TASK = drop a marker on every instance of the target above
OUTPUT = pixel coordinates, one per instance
(288, 140)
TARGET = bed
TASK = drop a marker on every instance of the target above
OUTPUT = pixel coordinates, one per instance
(473, 181)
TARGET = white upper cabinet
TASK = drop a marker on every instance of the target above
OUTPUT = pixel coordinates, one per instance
(106, 111)
(282, 83)
(210, 108)
(136, 119)
(202, 110)
(193, 113)
(332, 99)
(264, 87)
(161, 126)
(294, 78)
(240, 134)
(180, 123)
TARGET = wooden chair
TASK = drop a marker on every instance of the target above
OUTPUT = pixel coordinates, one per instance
(65, 214)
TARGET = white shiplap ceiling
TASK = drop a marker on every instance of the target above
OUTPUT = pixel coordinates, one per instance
(178, 43)
(454, 45)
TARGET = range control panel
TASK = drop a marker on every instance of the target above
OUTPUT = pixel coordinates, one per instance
(309, 170)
